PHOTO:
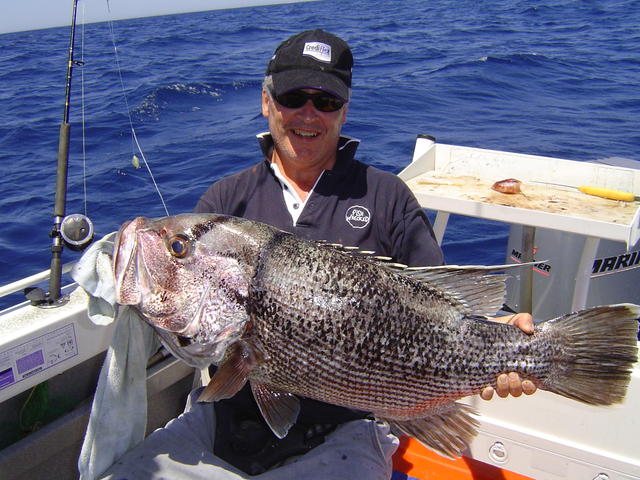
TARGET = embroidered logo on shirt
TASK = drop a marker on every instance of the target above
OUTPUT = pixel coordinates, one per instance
(318, 50)
(358, 216)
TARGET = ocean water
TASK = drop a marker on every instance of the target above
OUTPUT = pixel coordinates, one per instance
(551, 77)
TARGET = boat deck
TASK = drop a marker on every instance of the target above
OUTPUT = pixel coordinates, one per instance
(456, 179)
(541, 198)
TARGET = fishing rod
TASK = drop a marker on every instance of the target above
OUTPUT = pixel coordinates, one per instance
(74, 231)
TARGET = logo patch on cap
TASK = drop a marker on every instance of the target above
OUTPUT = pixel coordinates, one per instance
(318, 50)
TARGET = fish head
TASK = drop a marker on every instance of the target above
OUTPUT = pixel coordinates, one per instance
(188, 276)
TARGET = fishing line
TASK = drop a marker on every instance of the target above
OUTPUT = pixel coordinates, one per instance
(133, 131)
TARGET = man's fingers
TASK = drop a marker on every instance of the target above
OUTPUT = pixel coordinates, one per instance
(502, 385)
(515, 384)
(487, 393)
(509, 384)
(528, 387)
(524, 321)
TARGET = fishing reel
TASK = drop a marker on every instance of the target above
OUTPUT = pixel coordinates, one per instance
(76, 231)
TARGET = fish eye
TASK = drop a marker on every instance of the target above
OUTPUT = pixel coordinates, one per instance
(179, 246)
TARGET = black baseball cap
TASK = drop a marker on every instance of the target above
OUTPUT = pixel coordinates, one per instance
(312, 59)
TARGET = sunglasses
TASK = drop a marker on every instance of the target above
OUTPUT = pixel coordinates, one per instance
(322, 101)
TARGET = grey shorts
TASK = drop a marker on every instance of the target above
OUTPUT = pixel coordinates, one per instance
(183, 449)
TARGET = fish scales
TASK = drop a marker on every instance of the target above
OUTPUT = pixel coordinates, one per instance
(295, 317)
(354, 338)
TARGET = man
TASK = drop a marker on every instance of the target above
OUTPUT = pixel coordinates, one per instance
(309, 184)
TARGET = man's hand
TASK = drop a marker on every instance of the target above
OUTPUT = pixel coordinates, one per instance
(511, 383)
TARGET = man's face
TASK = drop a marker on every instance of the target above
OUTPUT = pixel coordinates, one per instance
(304, 136)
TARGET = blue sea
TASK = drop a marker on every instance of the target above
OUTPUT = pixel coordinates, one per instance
(552, 77)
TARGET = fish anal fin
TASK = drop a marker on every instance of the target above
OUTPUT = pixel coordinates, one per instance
(448, 431)
(232, 373)
(280, 409)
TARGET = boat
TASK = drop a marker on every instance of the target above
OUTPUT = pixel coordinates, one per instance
(588, 253)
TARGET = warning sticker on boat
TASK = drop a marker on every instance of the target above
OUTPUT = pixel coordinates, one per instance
(29, 358)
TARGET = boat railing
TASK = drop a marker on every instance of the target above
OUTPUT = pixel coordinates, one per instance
(32, 280)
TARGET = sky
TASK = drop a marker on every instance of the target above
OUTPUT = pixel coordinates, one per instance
(36, 14)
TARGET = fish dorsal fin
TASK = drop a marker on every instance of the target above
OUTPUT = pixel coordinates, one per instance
(448, 431)
(478, 289)
(280, 409)
(232, 373)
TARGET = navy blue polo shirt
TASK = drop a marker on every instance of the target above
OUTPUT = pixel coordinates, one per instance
(353, 204)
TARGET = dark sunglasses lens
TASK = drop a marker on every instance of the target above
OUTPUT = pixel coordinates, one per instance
(322, 101)
(292, 99)
(327, 103)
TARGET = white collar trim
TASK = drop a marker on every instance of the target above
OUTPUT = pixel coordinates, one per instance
(292, 200)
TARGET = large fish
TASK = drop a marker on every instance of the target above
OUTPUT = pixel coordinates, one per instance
(295, 317)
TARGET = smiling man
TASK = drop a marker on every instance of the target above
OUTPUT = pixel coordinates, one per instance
(305, 98)
(309, 182)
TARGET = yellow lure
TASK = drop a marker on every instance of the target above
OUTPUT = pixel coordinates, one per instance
(608, 193)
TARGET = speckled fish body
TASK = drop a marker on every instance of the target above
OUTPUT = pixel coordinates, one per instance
(295, 317)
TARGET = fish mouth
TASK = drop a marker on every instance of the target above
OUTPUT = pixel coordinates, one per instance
(125, 249)
(130, 272)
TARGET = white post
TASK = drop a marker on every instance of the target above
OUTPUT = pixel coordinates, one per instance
(583, 273)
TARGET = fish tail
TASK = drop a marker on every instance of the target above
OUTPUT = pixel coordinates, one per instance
(595, 350)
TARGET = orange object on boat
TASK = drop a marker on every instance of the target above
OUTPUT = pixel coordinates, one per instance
(416, 461)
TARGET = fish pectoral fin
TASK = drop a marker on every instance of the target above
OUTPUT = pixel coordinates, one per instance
(280, 409)
(447, 431)
(232, 373)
